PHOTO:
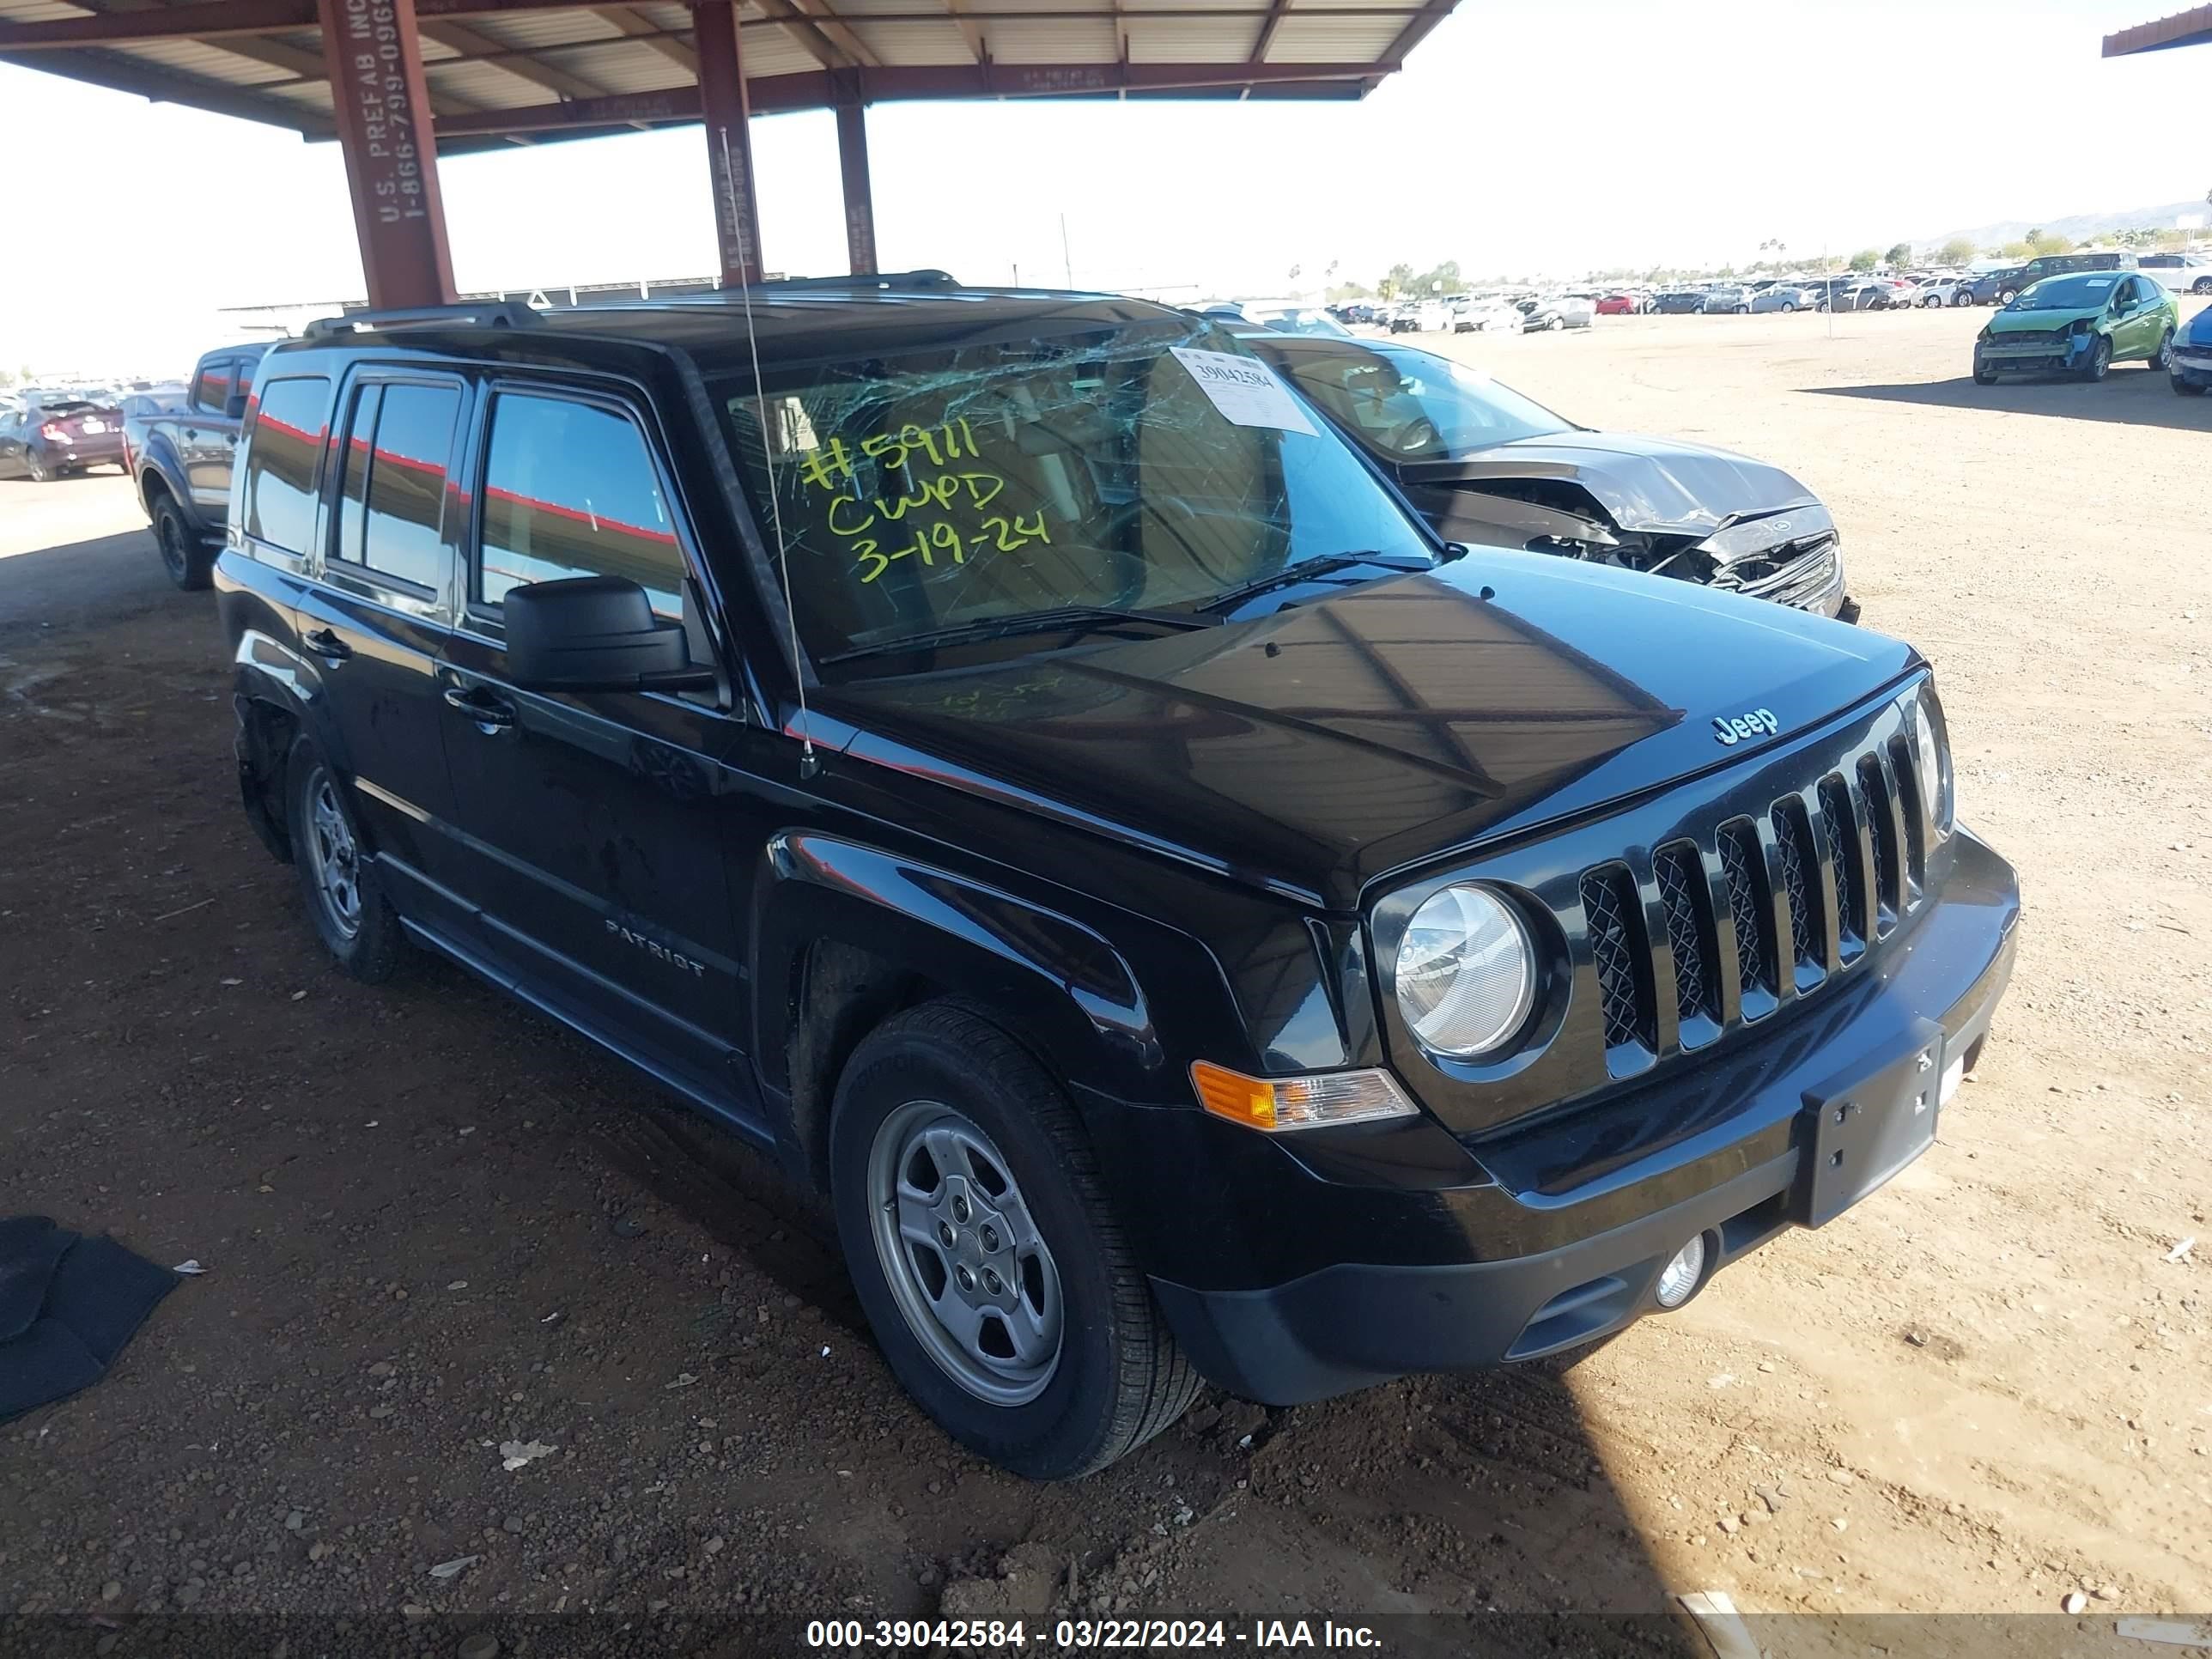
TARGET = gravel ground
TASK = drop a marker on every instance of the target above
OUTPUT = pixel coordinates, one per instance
(436, 1226)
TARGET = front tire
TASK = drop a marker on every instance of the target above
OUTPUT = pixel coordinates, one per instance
(184, 556)
(2100, 360)
(977, 1231)
(1983, 376)
(2184, 389)
(356, 924)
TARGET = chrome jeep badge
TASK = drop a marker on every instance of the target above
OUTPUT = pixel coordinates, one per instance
(1732, 730)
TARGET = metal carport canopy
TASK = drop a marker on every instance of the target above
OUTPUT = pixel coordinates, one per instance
(417, 79)
(2183, 28)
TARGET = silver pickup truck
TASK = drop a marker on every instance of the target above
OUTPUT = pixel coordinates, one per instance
(181, 460)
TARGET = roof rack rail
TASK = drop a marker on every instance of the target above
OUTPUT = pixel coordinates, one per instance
(483, 313)
(928, 277)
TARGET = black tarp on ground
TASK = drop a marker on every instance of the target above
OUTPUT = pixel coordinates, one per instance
(68, 1305)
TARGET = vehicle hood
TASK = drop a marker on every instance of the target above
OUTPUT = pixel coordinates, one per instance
(1654, 485)
(1315, 751)
(2197, 331)
(2042, 322)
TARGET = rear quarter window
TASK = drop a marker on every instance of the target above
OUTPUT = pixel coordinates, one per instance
(283, 461)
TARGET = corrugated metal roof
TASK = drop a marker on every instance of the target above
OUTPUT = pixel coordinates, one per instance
(558, 67)
(2183, 28)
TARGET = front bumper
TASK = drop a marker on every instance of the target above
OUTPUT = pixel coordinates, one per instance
(2191, 366)
(2034, 357)
(1562, 1241)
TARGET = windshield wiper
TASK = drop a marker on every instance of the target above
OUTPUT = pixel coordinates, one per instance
(1300, 570)
(1067, 619)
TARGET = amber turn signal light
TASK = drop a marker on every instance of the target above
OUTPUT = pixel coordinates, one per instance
(1298, 1102)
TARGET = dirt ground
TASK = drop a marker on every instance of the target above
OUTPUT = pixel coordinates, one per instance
(433, 1222)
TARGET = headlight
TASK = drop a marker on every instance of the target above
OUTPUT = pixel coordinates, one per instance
(1932, 754)
(1465, 973)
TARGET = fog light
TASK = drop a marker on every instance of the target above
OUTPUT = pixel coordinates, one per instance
(1680, 1277)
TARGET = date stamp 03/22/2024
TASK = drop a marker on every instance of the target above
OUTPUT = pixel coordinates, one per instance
(1083, 1635)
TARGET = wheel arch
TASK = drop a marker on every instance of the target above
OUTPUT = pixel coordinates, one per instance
(159, 475)
(274, 708)
(845, 935)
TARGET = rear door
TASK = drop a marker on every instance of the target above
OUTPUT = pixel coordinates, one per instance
(206, 436)
(374, 618)
(595, 822)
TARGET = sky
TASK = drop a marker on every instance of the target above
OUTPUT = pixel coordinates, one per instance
(1523, 137)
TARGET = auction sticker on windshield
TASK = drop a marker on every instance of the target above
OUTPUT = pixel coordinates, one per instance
(1244, 390)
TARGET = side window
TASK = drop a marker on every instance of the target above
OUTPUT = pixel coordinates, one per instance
(569, 490)
(391, 496)
(282, 459)
(211, 388)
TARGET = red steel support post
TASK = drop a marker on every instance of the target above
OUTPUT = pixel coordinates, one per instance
(383, 110)
(729, 141)
(860, 196)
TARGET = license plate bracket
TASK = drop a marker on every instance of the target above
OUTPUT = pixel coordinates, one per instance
(1858, 1131)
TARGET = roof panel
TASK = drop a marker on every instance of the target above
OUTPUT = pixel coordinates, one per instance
(769, 51)
(905, 44)
(1332, 39)
(1163, 37)
(1075, 40)
(196, 58)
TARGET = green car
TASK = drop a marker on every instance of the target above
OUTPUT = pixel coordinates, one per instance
(2081, 325)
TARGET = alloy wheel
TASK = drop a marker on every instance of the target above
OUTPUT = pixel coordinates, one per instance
(333, 856)
(168, 536)
(972, 1275)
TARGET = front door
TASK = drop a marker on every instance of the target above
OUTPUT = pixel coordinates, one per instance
(595, 822)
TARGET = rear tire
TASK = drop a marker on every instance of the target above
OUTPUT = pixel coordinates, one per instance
(35, 466)
(2160, 359)
(943, 1123)
(357, 925)
(184, 556)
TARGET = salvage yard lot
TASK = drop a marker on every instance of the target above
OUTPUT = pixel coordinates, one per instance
(434, 1223)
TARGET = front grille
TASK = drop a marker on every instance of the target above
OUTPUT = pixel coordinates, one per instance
(1686, 904)
(1744, 869)
(1613, 916)
(1839, 831)
(1801, 874)
(1804, 889)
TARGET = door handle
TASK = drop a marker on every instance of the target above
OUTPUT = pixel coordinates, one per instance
(328, 646)
(491, 714)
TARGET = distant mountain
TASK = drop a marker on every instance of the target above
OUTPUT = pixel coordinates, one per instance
(2074, 227)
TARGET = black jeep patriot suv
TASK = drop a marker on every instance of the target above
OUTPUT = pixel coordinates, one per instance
(999, 751)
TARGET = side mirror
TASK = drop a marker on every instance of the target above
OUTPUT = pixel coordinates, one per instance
(233, 407)
(595, 634)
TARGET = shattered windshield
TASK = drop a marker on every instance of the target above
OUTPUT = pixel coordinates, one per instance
(1119, 468)
(1408, 405)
